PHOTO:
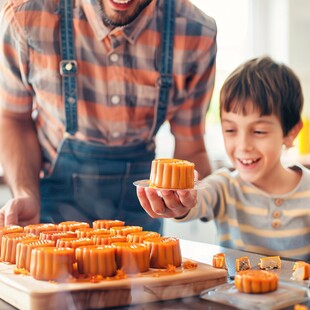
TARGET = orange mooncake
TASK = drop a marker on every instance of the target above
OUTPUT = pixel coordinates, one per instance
(96, 260)
(243, 263)
(73, 242)
(24, 248)
(124, 230)
(9, 243)
(256, 281)
(55, 235)
(172, 173)
(132, 257)
(108, 239)
(72, 225)
(301, 271)
(164, 251)
(270, 262)
(219, 261)
(138, 237)
(51, 263)
(88, 232)
(10, 229)
(107, 224)
(38, 228)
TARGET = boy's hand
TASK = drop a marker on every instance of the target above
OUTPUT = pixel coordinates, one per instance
(167, 203)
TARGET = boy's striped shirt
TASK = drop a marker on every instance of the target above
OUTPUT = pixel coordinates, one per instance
(252, 220)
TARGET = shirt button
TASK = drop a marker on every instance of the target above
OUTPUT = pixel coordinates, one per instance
(115, 99)
(276, 224)
(278, 202)
(114, 57)
(276, 214)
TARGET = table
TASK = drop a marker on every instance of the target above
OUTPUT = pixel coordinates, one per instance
(203, 252)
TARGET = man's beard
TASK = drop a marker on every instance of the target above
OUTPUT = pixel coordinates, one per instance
(120, 18)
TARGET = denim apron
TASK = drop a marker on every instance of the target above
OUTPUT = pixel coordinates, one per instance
(91, 181)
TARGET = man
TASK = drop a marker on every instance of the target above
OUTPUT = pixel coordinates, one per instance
(84, 88)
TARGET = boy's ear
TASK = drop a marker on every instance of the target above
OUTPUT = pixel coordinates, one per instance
(291, 136)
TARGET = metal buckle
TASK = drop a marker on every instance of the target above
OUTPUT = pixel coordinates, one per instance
(68, 135)
(164, 81)
(68, 67)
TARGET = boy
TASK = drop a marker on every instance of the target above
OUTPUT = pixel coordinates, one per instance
(261, 206)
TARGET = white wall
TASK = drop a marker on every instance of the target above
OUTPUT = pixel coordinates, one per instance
(299, 45)
(5, 194)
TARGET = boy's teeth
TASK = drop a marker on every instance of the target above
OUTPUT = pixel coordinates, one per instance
(121, 1)
(248, 161)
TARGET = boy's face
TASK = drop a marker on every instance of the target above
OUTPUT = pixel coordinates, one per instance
(253, 144)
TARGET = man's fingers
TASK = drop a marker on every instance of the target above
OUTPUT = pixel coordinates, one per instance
(2, 217)
(11, 218)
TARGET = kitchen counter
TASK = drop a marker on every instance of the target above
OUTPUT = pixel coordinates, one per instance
(202, 252)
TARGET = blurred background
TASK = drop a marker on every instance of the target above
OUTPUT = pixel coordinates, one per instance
(246, 29)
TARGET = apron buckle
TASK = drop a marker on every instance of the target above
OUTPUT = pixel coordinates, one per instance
(68, 67)
(68, 135)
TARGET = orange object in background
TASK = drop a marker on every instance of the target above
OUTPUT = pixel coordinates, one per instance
(304, 137)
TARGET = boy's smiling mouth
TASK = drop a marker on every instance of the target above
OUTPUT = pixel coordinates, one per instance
(248, 162)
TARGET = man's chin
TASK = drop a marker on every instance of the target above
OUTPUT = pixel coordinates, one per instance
(120, 18)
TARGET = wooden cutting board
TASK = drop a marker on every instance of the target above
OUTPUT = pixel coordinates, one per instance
(24, 292)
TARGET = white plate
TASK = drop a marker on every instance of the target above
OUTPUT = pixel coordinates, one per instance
(146, 183)
(285, 296)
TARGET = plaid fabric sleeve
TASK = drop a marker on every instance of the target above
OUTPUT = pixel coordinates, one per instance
(195, 63)
(16, 92)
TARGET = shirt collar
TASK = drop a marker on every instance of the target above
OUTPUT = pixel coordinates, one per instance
(131, 32)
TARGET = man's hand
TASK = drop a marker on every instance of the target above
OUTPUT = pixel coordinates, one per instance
(166, 203)
(20, 211)
(21, 168)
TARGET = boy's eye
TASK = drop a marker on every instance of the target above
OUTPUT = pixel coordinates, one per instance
(230, 130)
(260, 132)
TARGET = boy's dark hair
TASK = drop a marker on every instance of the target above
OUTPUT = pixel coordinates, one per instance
(272, 87)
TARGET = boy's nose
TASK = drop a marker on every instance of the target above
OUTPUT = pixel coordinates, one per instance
(245, 142)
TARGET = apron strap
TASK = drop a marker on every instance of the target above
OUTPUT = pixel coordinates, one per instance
(68, 66)
(166, 62)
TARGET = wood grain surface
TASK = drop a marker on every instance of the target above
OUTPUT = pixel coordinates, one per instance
(24, 292)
